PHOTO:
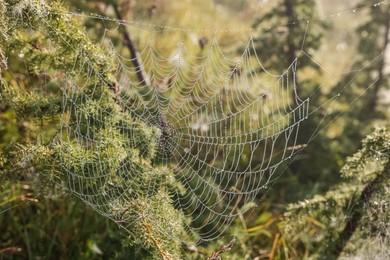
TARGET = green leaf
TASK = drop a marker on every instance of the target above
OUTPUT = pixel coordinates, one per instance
(264, 217)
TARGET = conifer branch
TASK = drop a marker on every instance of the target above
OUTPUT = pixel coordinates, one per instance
(164, 255)
(359, 211)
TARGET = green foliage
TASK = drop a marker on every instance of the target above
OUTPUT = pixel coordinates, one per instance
(48, 51)
(350, 213)
(41, 36)
(50, 224)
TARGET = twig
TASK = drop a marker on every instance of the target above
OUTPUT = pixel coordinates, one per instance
(135, 58)
(11, 250)
(223, 249)
(274, 245)
(164, 255)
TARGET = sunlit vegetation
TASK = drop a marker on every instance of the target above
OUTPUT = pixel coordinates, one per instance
(88, 168)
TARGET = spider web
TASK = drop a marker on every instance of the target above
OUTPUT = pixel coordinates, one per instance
(227, 126)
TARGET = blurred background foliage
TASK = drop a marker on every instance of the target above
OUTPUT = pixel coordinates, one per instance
(312, 211)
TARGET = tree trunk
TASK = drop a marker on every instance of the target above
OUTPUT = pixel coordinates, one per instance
(372, 103)
(290, 42)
